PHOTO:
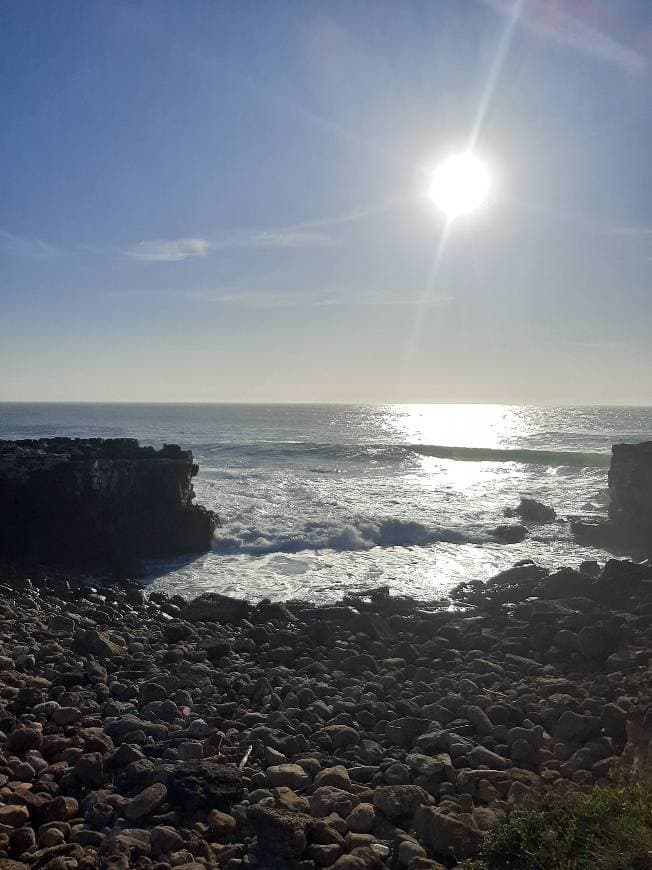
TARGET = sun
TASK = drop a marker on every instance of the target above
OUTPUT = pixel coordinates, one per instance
(459, 185)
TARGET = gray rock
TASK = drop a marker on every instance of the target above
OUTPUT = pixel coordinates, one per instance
(397, 801)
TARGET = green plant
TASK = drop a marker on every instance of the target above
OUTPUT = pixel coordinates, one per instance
(604, 829)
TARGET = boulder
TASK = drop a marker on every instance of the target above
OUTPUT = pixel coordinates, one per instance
(204, 784)
(279, 833)
(213, 607)
(291, 775)
(509, 533)
(533, 511)
(448, 834)
(397, 801)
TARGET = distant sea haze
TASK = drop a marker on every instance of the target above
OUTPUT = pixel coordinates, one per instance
(318, 499)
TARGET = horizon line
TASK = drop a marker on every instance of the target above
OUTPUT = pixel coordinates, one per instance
(334, 403)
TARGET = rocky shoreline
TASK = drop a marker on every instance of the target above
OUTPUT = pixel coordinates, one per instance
(146, 731)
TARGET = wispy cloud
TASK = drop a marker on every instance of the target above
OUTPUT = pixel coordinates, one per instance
(28, 248)
(168, 250)
(173, 250)
(308, 234)
(320, 298)
(289, 239)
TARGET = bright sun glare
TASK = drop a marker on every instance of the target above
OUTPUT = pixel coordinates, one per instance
(459, 185)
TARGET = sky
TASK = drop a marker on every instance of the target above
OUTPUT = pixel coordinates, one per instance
(204, 200)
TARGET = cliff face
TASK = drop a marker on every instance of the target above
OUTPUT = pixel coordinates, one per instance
(629, 528)
(630, 487)
(90, 502)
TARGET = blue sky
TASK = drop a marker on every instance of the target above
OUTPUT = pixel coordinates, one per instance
(205, 200)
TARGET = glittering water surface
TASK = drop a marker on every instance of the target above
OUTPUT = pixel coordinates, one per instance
(319, 499)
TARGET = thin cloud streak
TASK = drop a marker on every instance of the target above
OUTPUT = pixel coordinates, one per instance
(320, 299)
(304, 234)
(28, 248)
(174, 250)
(168, 251)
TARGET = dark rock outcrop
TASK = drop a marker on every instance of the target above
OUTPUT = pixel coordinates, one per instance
(533, 511)
(98, 503)
(509, 534)
(629, 527)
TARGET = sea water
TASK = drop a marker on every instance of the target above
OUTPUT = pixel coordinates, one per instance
(316, 500)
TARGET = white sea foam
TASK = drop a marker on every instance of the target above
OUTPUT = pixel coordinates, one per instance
(358, 534)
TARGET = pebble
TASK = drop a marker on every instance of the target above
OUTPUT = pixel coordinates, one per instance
(379, 733)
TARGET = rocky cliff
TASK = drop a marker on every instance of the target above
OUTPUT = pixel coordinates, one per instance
(98, 502)
(629, 527)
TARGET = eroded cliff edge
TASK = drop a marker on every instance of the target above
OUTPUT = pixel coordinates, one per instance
(629, 527)
(98, 503)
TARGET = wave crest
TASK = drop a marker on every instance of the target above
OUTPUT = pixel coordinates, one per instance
(358, 534)
(573, 458)
(396, 453)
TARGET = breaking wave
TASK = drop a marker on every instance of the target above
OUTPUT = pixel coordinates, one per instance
(574, 458)
(358, 534)
(394, 453)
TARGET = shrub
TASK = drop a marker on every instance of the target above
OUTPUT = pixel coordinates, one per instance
(604, 829)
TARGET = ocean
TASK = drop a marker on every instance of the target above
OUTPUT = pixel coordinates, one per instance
(316, 500)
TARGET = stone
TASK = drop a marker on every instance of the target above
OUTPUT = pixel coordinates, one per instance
(97, 643)
(205, 785)
(291, 775)
(480, 756)
(89, 770)
(152, 691)
(14, 815)
(337, 776)
(614, 722)
(524, 752)
(23, 739)
(362, 858)
(145, 802)
(447, 834)
(324, 855)
(61, 809)
(396, 801)
(216, 649)
(479, 719)
(438, 767)
(576, 728)
(327, 799)
(397, 774)
(408, 850)
(287, 799)
(533, 511)
(164, 839)
(213, 607)
(509, 533)
(341, 735)
(279, 833)
(362, 818)
(221, 824)
(66, 715)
